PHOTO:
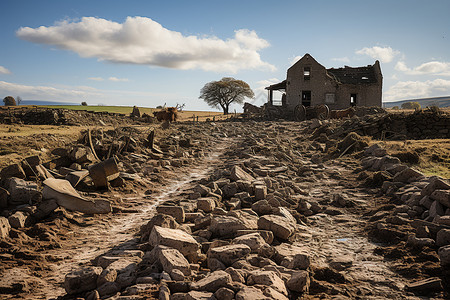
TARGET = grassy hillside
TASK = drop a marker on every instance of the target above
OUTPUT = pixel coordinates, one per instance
(424, 102)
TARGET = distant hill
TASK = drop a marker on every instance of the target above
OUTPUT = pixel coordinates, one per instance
(43, 102)
(424, 102)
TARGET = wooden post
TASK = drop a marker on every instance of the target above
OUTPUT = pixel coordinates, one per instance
(197, 119)
(193, 118)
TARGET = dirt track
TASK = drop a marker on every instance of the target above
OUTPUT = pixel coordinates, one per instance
(336, 234)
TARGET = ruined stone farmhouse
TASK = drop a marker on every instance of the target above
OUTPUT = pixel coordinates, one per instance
(309, 83)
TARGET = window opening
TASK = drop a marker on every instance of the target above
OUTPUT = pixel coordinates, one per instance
(353, 99)
(306, 73)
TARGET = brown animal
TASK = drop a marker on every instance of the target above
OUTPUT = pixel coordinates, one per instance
(343, 113)
(169, 114)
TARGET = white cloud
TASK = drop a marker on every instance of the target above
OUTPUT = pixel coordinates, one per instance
(141, 40)
(80, 93)
(261, 92)
(341, 59)
(4, 70)
(96, 78)
(383, 54)
(118, 79)
(429, 68)
(417, 89)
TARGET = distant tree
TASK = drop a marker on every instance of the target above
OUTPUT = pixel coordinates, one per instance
(18, 100)
(395, 107)
(84, 103)
(9, 101)
(411, 105)
(224, 92)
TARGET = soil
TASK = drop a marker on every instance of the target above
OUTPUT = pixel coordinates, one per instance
(35, 259)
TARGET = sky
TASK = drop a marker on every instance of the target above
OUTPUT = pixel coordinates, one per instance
(150, 53)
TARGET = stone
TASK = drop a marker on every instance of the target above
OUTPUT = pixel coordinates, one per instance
(4, 194)
(236, 275)
(107, 275)
(82, 280)
(175, 211)
(436, 209)
(238, 174)
(228, 225)
(292, 257)
(215, 264)
(161, 220)
(315, 123)
(417, 242)
(172, 259)
(254, 240)
(268, 278)
(174, 238)
(407, 175)
(224, 294)
(341, 262)
(229, 254)
(177, 275)
(262, 207)
(202, 190)
(442, 196)
(206, 204)
(425, 286)
(14, 170)
(443, 237)
(260, 192)
(266, 234)
(212, 282)
(444, 255)
(280, 226)
(443, 220)
(81, 155)
(108, 289)
(17, 220)
(4, 228)
(45, 208)
(196, 295)
(250, 293)
(23, 192)
(66, 196)
(299, 282)
(435, 184)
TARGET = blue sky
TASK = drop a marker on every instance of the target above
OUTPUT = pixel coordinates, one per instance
(148, 53)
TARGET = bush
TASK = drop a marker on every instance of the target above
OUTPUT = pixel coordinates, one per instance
(395, 107)
(9, 101)
(84, 103)
(411, 105)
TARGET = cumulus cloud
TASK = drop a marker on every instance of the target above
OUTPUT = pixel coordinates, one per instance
(261, 92)
(4, 70)
(141, 40)
(417, 89)
(46, 92)
(79, 93)
(383, 54)
(428, 68)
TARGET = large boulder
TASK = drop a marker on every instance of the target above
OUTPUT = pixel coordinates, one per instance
(172, 259)
(251, 293)
(254, 240)
(443, 237)
(268, 278)
(407, 175)
(442, 196)
(299, 281)
(17, 220)
(23, 192)
(228, 225)
(229, 254)
(292, 257)
(175, 211)
(281, 227)
(212, 282)
(174, 238)
(82, 280)
(238, 174)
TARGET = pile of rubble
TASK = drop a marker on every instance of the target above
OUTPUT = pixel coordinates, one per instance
(59, 116)
(420, 218)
